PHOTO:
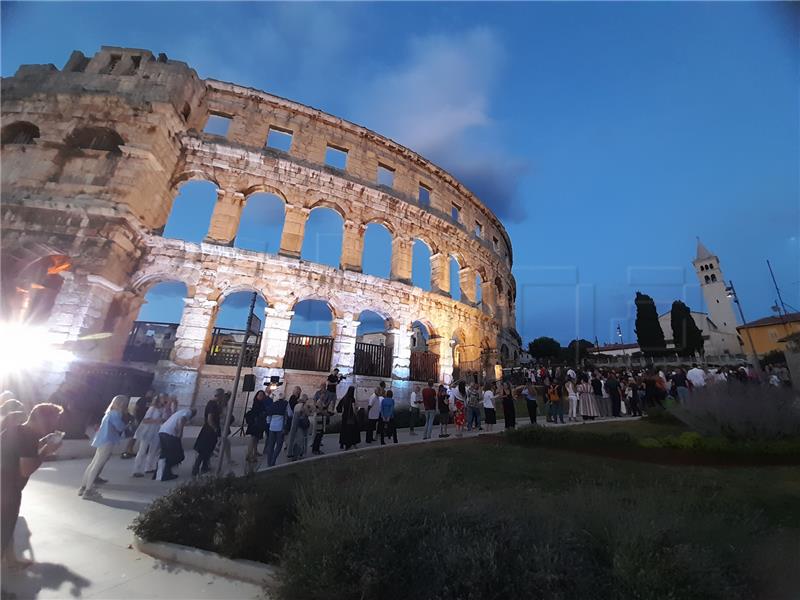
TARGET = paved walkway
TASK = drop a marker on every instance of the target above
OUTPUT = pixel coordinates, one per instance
(82, 547)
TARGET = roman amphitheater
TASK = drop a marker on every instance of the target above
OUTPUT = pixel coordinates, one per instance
(93, 158)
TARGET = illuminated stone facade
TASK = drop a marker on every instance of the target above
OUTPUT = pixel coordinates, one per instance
(93, 156)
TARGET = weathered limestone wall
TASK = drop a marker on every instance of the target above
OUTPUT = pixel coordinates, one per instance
(104, 204)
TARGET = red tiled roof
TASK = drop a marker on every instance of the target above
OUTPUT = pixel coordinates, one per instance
(790, 318)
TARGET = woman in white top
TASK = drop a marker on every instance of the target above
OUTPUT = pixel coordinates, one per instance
(489, 412)
(572, 394)
(147, 435)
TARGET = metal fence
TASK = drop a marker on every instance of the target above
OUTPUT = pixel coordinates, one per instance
(373, 359)
(150, 342)
(226, 344)
(424, 366)
(308, 352)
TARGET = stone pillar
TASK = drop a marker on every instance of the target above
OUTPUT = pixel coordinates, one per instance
(401, 259)
(122, 313)
(81, 307)
(294, 227)
(225, 218)
(344, 343)
(488, 299)
(440, 273)
(191, 339)
(441, 346)
(400, 340)
(277, 321)
(352, 246)
(466, 278)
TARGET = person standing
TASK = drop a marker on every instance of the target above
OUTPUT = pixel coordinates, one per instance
(474, 407)
(443, 402)
(22, 448)
(147, 434)
(612, 387)
(139, 410)
(169, 435)
(350, 436)
(279, 414)
(572, 396)
(696, 376)
(414, 401)
(108, 435)
(429, 404)
(256, 421)
(387, 418)
(373, 414)
(589, 410)
(322, 415)
(458, 406)
(555, 410)
(597, 391)
(489, 412)
(509, 410)
(529, 393)
(298, 432)
(209, 433)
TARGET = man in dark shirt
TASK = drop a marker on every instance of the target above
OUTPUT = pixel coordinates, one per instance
(612, 387)
(21, 451)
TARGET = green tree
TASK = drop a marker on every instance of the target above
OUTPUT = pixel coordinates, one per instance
(576, 351)
(686, 334)
(544, 347)
(649, 334)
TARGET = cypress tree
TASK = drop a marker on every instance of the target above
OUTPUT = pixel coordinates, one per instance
(649, 334)
(685, 333)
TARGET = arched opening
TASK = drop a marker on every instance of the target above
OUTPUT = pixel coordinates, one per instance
(373, 346)
(322, 241)
(376, 258)
(504, 357)
(457, 349)
(191, 211)
(478, 290)
(95, 138)
(261, 224)
(230, 328)
(455, 279)
(20, 132)
(707, 278)
(713, 278)
(421, 265)
(152, 334)
(424, 363)
(310, 343)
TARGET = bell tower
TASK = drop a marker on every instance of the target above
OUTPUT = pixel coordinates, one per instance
(718, 304)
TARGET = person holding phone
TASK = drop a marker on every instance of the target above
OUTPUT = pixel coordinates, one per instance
(22, 448)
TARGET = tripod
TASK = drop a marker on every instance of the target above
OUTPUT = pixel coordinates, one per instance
(240, 431)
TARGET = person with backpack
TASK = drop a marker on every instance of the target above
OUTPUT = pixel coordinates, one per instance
(278, 414)
(555, 408)
(474, 407)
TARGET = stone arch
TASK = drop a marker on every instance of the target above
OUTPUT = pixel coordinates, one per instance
(334, 206)
(263, 188)
(19, 132)
(336, 312)
(376, 254)
(326, 248)
(262, 220)
(142, 282)
(191, 210)
(95, 138)
(421, 253)
(192, 175)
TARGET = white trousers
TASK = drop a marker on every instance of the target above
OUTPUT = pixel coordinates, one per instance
(573, 407)
(92, 472)
(147, 456)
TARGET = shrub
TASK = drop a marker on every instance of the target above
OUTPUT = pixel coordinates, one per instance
(741, 412)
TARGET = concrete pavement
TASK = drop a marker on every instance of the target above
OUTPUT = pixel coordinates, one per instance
(82, 547)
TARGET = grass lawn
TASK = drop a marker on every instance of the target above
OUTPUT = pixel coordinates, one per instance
(482, 518)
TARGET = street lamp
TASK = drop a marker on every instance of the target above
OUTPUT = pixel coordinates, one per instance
(730, 292)
(621, 343)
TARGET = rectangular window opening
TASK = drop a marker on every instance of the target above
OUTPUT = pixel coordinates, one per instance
(478, 229)
(455, 213)
(115, 58)
(137, 61)
(279, 139)
(336, 157)
(495, 243)
(424, 195)
(385, 176)
(217, 125)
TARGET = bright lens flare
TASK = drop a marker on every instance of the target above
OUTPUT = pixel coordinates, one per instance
(26, 348)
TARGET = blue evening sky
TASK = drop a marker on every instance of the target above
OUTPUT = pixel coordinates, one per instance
(606, 136)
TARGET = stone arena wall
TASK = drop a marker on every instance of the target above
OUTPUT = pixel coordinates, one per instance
(94, 155)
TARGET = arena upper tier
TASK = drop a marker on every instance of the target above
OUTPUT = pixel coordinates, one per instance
(93, 157)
